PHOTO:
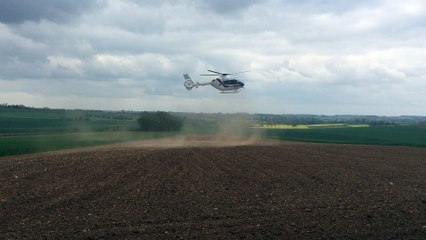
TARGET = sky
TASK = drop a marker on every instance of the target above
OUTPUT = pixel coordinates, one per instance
(303, 56)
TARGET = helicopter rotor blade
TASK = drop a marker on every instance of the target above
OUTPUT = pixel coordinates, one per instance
(214, 75)
(237, 72)
(223, 74)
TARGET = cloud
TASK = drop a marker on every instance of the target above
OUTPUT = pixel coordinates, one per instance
(228, 6)
(312, 56)
(18, 11)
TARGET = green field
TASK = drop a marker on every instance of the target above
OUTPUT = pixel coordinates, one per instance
(309, 126)
(29, 130)
(14, 145)
(31, 121)
(378, 135)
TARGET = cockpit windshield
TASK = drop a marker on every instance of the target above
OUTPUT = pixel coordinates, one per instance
(231, 81)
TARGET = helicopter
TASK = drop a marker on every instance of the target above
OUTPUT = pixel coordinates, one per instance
(221, 83)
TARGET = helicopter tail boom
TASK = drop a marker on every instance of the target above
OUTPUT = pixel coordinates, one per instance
(189, 84)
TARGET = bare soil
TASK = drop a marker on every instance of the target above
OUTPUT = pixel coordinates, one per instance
(205, 187)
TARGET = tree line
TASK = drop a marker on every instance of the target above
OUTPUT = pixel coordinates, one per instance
(159, 121)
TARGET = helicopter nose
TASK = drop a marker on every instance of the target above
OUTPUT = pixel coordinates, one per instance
(242, 84)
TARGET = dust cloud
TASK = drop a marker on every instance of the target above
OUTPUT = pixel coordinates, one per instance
(198, 141)
(216, 129)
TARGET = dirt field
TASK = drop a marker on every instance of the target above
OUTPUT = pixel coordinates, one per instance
(205, 188)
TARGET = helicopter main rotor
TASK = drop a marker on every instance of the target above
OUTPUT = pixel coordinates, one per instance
(221, 74)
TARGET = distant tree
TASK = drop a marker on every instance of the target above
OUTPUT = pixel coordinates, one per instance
(159, 121)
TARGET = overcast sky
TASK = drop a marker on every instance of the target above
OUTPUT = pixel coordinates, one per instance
(307, 56)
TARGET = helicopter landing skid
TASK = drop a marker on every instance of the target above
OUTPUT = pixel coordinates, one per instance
(230, 92)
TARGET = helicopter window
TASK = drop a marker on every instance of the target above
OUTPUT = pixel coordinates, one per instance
(233, 81)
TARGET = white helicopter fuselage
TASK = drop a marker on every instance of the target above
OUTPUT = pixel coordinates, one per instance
(226, 85)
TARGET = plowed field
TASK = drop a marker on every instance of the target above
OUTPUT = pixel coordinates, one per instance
(207, 188)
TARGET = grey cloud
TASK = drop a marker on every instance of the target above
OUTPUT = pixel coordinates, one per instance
(18, 11)
(228, 6)
(338, 6)
(307, 56)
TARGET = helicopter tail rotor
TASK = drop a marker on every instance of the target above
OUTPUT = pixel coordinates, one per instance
(189, 84)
